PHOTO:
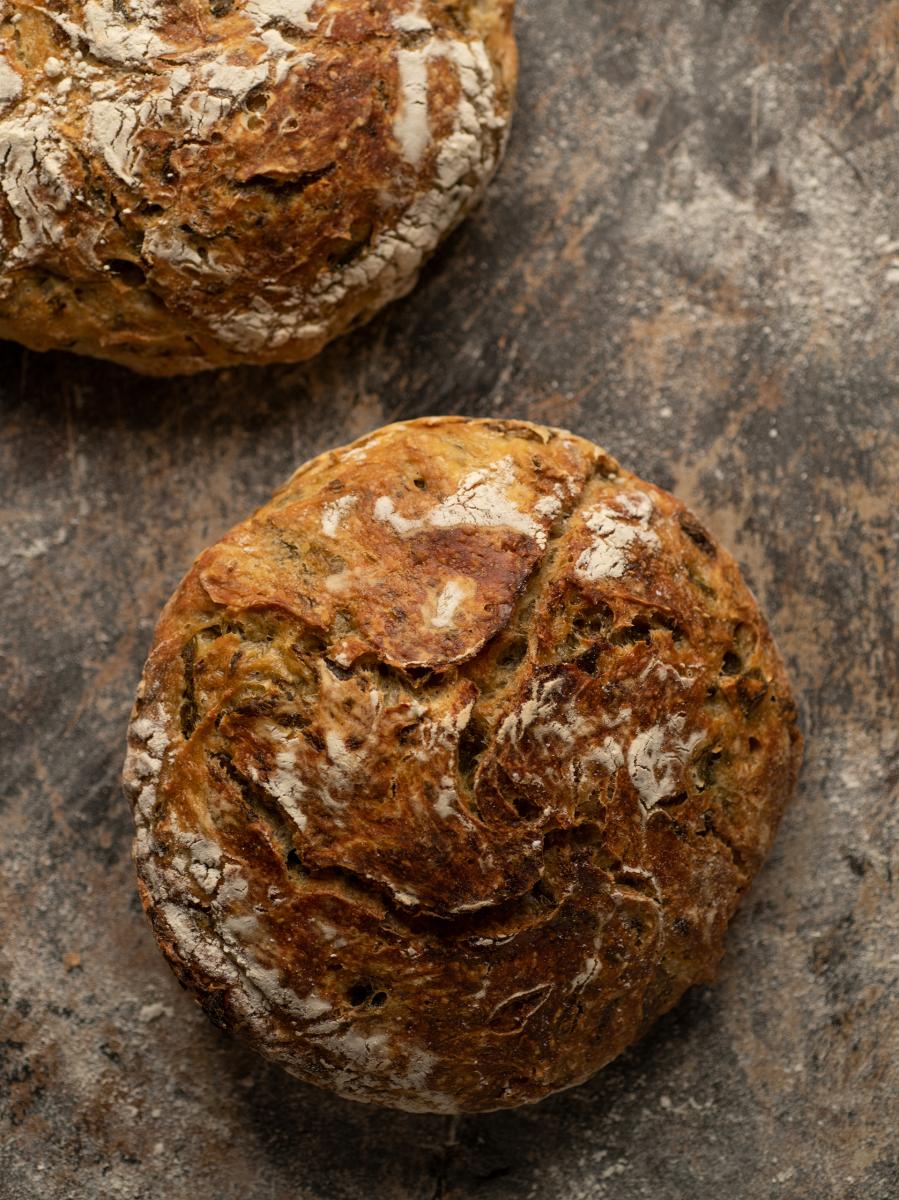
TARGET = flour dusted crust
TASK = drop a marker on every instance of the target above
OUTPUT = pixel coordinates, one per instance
(450, 765)
(191, 183)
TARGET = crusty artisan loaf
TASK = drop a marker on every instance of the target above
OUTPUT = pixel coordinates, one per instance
(187, 184)
(451, 764)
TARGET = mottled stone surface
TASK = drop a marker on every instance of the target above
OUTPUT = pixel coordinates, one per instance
(692, 257)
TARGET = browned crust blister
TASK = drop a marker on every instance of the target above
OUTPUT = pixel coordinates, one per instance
(188, 185)
(451, 764)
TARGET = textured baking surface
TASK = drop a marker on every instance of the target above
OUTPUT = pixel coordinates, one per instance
(693, 243)
(450, 764)
(189, 184)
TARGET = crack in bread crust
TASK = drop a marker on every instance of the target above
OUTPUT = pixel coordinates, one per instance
(467, 734)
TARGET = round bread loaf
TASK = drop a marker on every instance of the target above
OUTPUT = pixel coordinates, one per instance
(451, 764)
(192, 183)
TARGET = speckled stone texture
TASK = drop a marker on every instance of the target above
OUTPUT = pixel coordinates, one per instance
(691, 257)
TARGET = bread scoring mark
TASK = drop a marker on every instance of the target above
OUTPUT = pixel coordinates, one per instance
(619, 527)
(481, 499)
(656, 757)
(333, 514)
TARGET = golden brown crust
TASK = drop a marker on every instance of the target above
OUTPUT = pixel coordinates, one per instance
(188, 185)
(451, 764)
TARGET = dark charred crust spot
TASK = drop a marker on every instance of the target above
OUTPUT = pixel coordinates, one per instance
(473, 742)
(595, 620)
(706, 767)
(338, 671)
(588, 661)
(315, 740)
(644, 626)
(189, 714)
(674, 801)
(527, 806)
(293, 861)
(359, 993)
(290, 720)
(286, 188)
(512, 654)
(639, 630)
(605, 468)
(129, 272)
(731, 664)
